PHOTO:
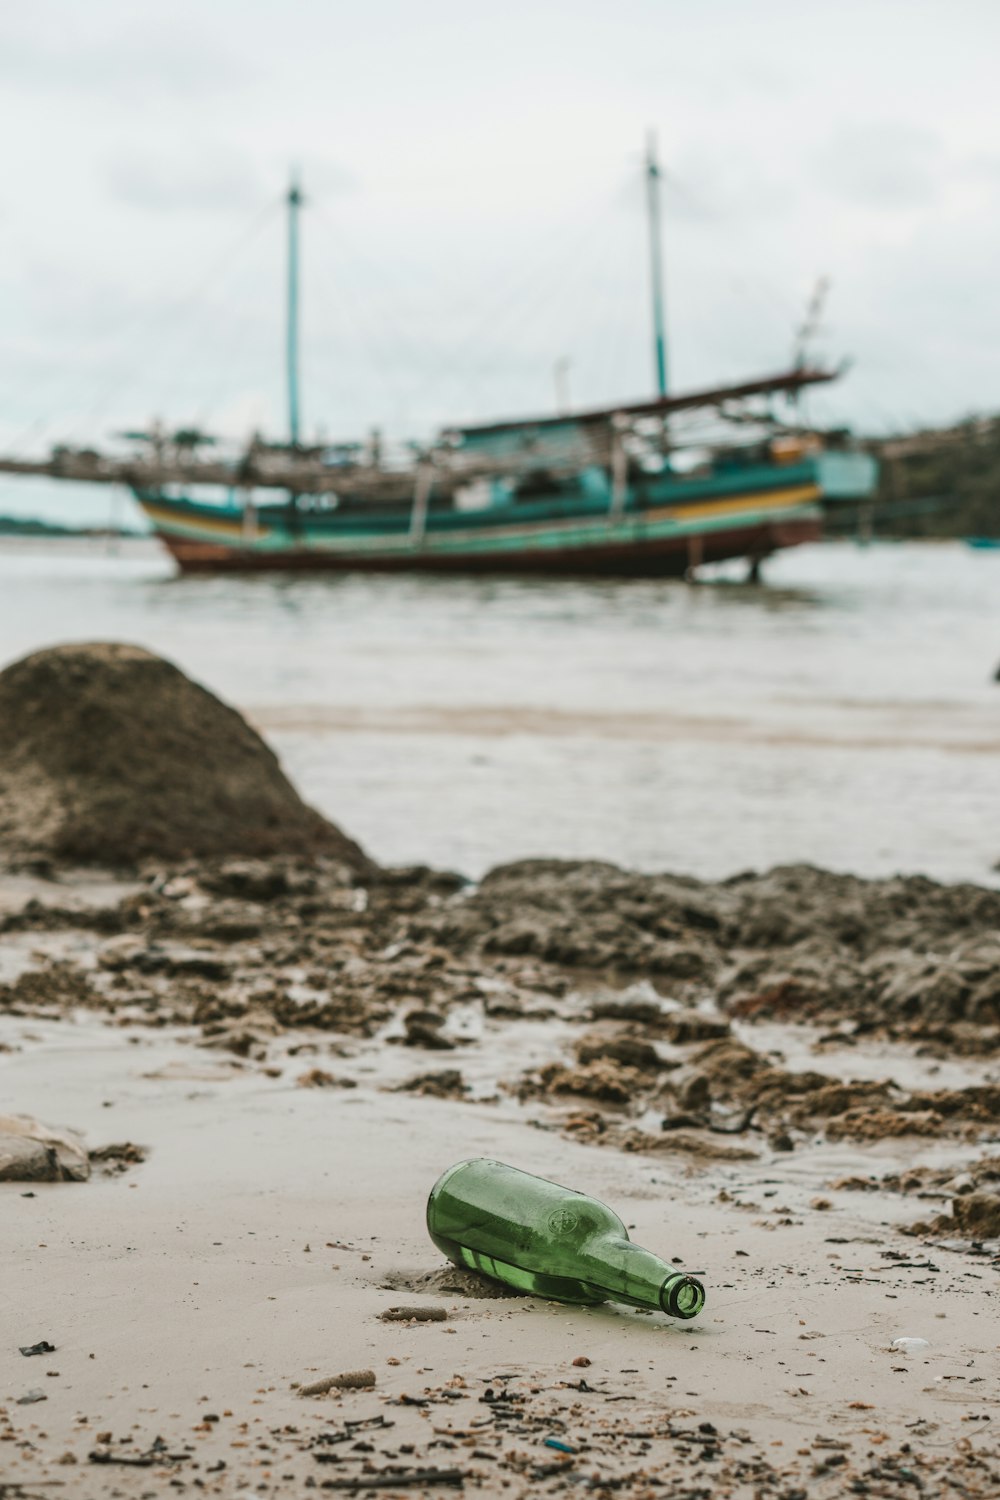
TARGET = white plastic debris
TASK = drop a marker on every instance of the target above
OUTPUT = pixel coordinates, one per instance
(910, 1346)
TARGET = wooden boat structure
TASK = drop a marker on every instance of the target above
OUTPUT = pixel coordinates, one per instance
(651, 487)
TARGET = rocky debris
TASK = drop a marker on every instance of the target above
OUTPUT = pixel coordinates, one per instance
(250, 950)
(110, 755)
(883, 1124)
(682, 1027)
(648, 1013)
(423, 1029)
(974, 1216)
(929, 1182)
(447, 1083)
(249, 1035)
(606, 1080)
(256, 880)
(727, 1088)
(119, 1157)
(32, 1152)
(684, 1142)
(794, 944)
(319, 1078)
(211, 939)
(626, 1048)
(56, 988)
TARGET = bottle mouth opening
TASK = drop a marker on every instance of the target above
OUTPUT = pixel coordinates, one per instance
(682, 1297)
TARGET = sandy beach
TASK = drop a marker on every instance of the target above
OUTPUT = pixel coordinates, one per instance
(299, 1051)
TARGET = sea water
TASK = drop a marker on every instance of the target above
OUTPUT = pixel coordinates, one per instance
(844, 713)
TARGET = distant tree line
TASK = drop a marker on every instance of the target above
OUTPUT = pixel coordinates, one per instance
(943, 483)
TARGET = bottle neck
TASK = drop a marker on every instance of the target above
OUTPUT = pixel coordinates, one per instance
(628, 1273)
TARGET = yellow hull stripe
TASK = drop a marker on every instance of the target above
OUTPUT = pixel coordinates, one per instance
(595, 527)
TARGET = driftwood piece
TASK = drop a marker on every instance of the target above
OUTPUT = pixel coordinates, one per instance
(350, 1380)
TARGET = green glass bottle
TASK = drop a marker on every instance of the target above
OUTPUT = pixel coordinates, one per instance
(543, 1238)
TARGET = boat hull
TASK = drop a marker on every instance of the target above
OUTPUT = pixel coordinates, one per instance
(667, 531)
(666, 557)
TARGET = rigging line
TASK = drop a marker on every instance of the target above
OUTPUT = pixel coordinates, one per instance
(146, 322)
(541, 313)
(347, 309)
(521, 277)
(318, 351)
(56, 369)
(755, 280)
(382, 360)
(625, 321)
(631, 348)
(343, 239)
(620, 316)
(205, 345)
(555, 276)
(441, 360)
(249, 236)
(175, 372)
(587, 278)
(678, 188)
(572, 318)
(225, 385)
(349, 331)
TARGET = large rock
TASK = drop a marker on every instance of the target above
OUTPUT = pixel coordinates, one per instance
(110, 755)
(32, 1152)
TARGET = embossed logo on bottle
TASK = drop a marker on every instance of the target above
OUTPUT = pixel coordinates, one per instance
(562, 1221)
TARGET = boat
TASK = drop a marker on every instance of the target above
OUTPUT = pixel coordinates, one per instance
(653, 487)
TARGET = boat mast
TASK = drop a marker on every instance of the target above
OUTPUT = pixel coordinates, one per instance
(656, 263)
(294, 204)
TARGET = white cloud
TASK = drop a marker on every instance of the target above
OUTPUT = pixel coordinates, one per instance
(887, 164)
(214, 179)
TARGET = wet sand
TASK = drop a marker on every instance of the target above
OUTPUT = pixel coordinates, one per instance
(253, 1028)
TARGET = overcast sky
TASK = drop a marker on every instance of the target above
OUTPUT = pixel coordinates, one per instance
(476, 208)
